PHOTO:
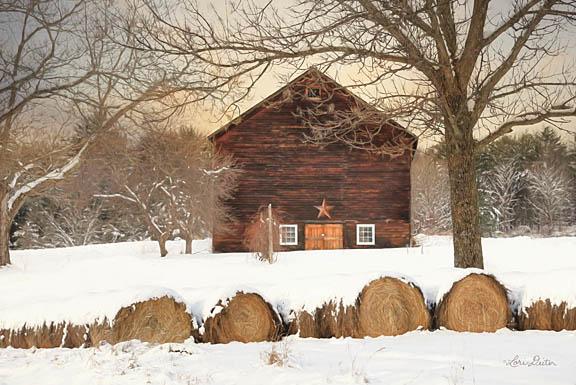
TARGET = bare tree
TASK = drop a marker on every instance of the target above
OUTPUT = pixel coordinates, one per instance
(468, 71)
(201, 180)
(174, 183)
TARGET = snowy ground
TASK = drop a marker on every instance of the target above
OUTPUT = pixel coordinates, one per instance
(418, 358)
(85, 283)
(82, 284)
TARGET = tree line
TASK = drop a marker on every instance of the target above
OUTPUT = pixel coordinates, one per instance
(526, 183)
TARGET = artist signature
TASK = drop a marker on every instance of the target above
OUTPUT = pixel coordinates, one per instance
(535, 360)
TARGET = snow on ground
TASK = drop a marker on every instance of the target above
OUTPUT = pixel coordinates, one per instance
(82, 284)
(417, 358)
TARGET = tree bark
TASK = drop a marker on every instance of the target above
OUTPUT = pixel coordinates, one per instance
(188, 245)
(464, 203)
(5, 223)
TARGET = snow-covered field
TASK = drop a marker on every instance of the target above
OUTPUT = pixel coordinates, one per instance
(84, 283)
(417, 358)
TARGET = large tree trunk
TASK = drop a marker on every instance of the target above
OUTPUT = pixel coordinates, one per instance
(5, 223)
(464, 202)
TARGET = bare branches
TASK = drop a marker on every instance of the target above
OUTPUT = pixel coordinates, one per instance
(174, 183)
(527, 119)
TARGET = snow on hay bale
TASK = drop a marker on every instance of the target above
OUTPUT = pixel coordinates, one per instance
(246, 317)
(476, 303)
(158, 320)
(542, 315)
(389, 307)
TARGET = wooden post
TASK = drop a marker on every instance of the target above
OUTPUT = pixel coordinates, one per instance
(270, 234)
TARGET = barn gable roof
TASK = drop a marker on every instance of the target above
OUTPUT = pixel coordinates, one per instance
(311, 72)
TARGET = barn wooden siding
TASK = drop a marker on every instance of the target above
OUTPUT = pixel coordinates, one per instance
(279, 168)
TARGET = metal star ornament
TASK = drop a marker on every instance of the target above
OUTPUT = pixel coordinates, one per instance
(324, 209)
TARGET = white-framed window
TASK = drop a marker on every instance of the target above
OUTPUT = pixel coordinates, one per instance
(365, 234)
(289, 235)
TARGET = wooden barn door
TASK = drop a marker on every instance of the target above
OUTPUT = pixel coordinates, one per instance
(324, 236)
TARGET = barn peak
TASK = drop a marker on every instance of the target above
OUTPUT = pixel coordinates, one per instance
(311, 76)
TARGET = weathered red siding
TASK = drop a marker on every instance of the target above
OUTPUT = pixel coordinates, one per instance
(279, 168)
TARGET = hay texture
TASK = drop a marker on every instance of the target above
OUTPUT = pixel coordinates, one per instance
(542, 315)
(476, 303)
(245, 318)
(99, 332)
(389, 307)
(158, 320)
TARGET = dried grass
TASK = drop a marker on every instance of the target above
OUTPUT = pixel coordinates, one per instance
(476, 303)
(279, 354)
(329, 320)
(245, 318)
(51, 335)
(542, 315)
(98, 332)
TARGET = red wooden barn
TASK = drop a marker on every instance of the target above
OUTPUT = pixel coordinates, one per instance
(332, 196)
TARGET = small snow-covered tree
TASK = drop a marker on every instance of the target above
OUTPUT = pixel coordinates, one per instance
(549, 195)
(174, 183)
(500, 187)
(202, 180)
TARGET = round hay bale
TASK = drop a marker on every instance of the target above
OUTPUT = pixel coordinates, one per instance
(476, 303)
(158, 320)
(389, 307)
(542, 315)
(246, 318)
